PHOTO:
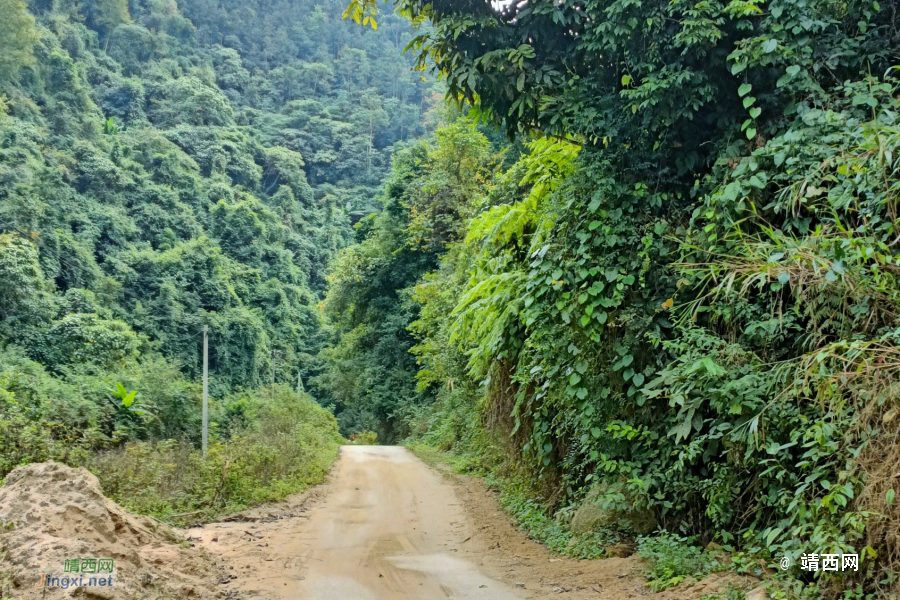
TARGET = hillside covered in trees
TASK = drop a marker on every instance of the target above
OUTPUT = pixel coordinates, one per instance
(166, 166)
(674, 300)
(643, 273)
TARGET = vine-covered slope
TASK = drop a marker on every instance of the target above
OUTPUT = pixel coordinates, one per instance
(682, 301)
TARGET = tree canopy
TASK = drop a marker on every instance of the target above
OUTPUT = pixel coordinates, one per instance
(680, 301)
(186, 164)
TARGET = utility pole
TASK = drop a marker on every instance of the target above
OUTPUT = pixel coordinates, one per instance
(205, 388)
(273, 368)
(299, 383)
(274, 354)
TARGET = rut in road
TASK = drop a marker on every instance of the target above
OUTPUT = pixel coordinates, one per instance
(388, 527)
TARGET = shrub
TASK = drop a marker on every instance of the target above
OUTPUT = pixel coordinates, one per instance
(672, 558)
(364, 438)
(288, 446)
(42, 417)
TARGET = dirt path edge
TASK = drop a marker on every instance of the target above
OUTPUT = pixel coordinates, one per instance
(510, 555)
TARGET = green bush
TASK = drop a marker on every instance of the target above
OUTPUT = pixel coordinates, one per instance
(672, 558)
(42, 417)
(519, 499)
(364, 438)
(289, 446)
(264, 445)
(48, 416)
(530, 514)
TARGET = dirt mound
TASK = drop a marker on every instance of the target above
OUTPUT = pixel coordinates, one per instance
(51, 514)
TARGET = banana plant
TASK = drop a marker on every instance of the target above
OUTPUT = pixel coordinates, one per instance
(130, 414)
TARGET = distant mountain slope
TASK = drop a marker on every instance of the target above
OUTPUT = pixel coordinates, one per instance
(167, 165)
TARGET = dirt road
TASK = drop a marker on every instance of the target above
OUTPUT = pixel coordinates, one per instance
(387, 527)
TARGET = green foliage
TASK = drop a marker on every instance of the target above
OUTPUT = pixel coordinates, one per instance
(518, 497)
(88, 340)
(129, 415)
(621, 71)
(530, 515)
(288, 446)
(190, 101)
(106, 15)
(265, 444)
(682, 298)
(142, 162)
(19, 36)
(369, 371)
(672, 558)
(170, 167)
(42, 417)
(457, 167)
(24, 297)
(110, 127)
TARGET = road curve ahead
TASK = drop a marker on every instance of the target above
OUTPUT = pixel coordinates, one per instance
(388, 528)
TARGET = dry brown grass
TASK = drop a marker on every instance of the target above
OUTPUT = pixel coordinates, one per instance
(868, 373)
(805, 266)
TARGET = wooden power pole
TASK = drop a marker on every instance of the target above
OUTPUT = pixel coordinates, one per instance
(205, 388)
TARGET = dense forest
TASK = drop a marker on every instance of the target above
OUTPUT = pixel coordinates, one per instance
(168, 166)
(672, 298)
(642, 269)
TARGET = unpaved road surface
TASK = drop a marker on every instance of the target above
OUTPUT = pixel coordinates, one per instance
(388, 527)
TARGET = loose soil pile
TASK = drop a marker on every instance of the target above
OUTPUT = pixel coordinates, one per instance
(51, 513)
